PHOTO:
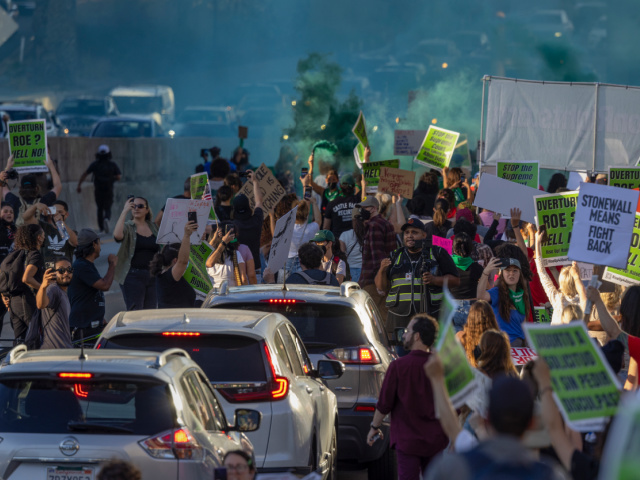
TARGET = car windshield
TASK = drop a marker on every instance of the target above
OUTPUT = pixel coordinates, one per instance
(142, 105)
(21, 114)
(321, 326)
(211, 116)
(224, 358)
(93, 108)
(94, 406)
(128, 129)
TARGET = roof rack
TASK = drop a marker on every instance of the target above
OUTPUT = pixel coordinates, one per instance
(223, 289)
(162, 358)
(346, 287)
(15, 352)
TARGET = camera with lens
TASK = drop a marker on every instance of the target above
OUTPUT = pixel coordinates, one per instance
(12, 174)
(429, 264)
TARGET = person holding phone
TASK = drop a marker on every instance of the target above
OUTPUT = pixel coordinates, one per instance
(226, 262)
(53, 301)
(137, 238)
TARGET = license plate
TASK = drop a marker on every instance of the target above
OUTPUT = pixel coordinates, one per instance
(70, 473)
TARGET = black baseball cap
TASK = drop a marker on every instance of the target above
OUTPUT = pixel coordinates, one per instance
(413, 223)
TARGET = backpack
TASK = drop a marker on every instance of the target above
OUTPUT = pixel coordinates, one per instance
(11, 272)
(311, 281)
(336, 261)
(35, 333)
(483, 467)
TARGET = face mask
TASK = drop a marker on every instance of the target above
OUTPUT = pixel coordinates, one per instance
(365, 214)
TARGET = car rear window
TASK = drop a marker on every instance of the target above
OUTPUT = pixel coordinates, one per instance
(224, 358)
(321, 326)
(102, 406)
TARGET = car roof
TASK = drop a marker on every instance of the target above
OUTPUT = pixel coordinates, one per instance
(117, 362)
(203, 320)
(139, 91)
(20, 105)
(127, 118)
(219, 108)
(85, 97)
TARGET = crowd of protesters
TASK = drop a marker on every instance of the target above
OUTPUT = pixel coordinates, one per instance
(55, 295)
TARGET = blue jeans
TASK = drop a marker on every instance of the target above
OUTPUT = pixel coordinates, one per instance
(355, 273)
(139, 290)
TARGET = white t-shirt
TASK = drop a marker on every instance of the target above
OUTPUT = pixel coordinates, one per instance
(224, 271)
(297, 239)
(342, 267)
(353, 248)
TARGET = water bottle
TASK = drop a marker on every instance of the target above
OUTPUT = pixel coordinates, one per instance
(62, 230)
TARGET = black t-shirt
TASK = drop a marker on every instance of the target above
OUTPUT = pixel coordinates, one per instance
(248, 233)
(172, 294)
(54, 246)
(87, 303)
(339, 212)
(469, 278)
(104, 173)
(442, 231)
(145, 249)
(223, 212)
(34, 257)
(327, 197)
(7, 235)
(48, 199)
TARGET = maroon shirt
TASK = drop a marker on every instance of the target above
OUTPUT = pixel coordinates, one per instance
(406, 393)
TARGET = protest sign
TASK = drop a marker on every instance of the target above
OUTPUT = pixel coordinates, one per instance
(175, 217)
(604, 219)
(620, 460)
(358, 155)
(624, 177)
(196, 273)
(493, 191)
(28, 145)
(524, 173)
(437, 147)
(586, 270)
(541, 315)
(631, 274)
(360, 130)
(555, 211)
(445, 243)
(198, 183)
(408, 142)
(272, 191)
(584, 386)
(522, 356)
(371, 172)
(243, 132)
(396, 181)
(458, 374)
(282, 240)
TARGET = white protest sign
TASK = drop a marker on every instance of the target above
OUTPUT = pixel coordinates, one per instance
(501, 196)
(282, 240)
(176, 213)
(408, 142)
(575, 179)
(603, 225)
(522, 356)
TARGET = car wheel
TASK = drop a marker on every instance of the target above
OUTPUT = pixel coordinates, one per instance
(384, 467)
(333, 450)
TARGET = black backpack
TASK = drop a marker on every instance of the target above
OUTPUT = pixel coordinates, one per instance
(11, 272)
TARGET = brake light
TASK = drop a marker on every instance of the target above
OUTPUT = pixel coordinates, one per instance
(355, 355)
(75, 375)
(181, 334)
(173, 444)
(286, 301)
(77, 389)
(365, 408)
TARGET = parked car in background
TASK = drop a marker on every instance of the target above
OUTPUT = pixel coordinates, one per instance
(25, 110)
(254, 360)
(127, 127)
(156, 101)
(78, 115)
(206, 121)
(334, 324)
(64, 412)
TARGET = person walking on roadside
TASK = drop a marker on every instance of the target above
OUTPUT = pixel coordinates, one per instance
(54, 304)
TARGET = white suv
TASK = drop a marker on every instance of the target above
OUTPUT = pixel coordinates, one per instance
(257, 361)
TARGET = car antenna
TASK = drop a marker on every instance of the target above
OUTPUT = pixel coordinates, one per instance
(82, 355)
(284, 277)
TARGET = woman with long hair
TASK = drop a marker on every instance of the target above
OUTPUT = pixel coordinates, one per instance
(454, 179)
(481, 318)
(440, 224)
(450, 197)
(509, 298)
(424, 196)
(137, 238)
(226, 262)
(558, 180)
(334, 260)
(351, 243)
(303, 231)
(495, 355)
(168, 267)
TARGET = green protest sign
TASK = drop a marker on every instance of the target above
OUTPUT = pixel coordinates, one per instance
(458, 374)
(541, 315)
(371, 172)
(524, 173)
(556, 212)
(584, 386)
(620, 460)
(437, 147)
(28, 145)
(630, 275)
(625, 177)
(198, 183)
(360, 131)
(196, 274)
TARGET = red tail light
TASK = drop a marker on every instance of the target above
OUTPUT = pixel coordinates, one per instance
(75, 375)
(181, 334)
(355, 355)
(365, 408)
(173, 444)
(283, 301)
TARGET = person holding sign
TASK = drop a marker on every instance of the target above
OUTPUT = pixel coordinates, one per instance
(327, 194)
(455, 179)
(168, 267)
(509, 298)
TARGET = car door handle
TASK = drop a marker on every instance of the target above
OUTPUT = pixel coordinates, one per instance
(309, 390)
(321, 388)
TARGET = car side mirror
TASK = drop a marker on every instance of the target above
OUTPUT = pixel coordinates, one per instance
(397, 336)
(246, 420)
(329, 369)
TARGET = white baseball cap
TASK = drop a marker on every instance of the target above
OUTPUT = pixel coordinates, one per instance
(103, 149)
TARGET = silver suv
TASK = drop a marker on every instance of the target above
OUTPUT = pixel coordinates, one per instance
(341, 324)
(64, 412)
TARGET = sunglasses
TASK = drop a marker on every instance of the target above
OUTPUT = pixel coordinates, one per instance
(63, 270)
(139, 205)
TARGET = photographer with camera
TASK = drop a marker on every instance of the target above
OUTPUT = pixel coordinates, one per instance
(414, 276)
